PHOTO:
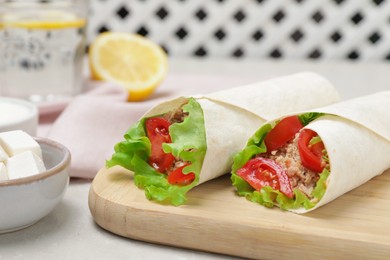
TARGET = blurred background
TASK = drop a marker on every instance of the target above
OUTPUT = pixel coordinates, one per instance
(355, 30)
(270, 37)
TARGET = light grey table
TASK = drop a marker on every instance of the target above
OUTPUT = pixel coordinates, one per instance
(69, 232)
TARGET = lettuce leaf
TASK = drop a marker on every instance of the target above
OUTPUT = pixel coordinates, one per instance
(267, 196)
(188, 144)
(255, 145)
(306, 118)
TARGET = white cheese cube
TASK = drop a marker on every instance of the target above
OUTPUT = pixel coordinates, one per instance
(24, 164)
(3, 172)
(3, 155)
(18, 141)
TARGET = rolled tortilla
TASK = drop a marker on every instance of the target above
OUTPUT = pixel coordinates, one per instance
(217, 127)
(356, 136)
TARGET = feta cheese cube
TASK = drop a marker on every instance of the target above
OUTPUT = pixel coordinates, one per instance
(3, 155)
(3, 172)
(24, 164)
(18, 141)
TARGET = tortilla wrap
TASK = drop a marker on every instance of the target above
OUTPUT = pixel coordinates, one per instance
(357, 140)
(356, 136)
(231, 116)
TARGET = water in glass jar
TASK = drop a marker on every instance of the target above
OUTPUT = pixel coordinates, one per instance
(43, 53)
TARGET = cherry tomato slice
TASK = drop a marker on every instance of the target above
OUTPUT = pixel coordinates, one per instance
(283, 132)
(177, 177)
(310, 154)
(157, 130)
(260, 172)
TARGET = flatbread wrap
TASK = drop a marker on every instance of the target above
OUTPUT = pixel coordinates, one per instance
(187, 141)
(302, 161)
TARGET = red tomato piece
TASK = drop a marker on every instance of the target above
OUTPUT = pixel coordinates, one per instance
(157, 130)
(311, 155)
(283, 132)
(177, 177)
(260, 172)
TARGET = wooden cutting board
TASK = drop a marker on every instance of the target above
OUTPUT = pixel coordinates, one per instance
(356, 225)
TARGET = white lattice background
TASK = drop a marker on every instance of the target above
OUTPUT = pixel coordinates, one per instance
(281, 29)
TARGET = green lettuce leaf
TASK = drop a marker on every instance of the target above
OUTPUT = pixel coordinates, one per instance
(188, 144)
(315, 140)
(267, 196)
(255, 145)
(306, 118)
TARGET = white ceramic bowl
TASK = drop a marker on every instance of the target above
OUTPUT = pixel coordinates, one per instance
(26, 200)
(18, 114)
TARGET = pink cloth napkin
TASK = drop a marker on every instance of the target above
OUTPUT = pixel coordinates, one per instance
(92, 123)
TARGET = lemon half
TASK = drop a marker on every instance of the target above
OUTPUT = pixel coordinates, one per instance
(130, 60)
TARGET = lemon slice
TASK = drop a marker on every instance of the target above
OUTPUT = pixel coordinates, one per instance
(130, 60)
(43, 20)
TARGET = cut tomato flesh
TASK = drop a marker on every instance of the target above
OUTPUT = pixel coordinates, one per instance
(283, 132)
(311, 155)
(177, 177)
(260, 172)
(157, 130)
